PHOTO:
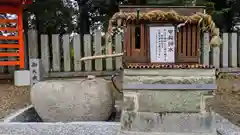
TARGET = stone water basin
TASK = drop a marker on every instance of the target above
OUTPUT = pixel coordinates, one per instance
(27, 122)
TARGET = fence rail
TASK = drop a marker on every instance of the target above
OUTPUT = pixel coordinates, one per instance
(60, 55)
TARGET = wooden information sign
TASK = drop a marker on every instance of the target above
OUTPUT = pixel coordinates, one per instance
(162, 44)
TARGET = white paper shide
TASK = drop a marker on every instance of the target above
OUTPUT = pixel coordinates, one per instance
(162, 44)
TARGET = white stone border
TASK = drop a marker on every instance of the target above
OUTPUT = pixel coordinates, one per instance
(73, 128)
(19, 113)
(223, 126)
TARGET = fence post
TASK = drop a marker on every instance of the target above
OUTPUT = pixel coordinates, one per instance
(109, 63)
(87, 51)
(45, 53)
(216, 56)
(118, 47)
(206, 48)
(56, 60)
(98, 50)
(33, 44)
(66, 53)
(35, 63)
(77, 53)
(233, 50)
(224, 51)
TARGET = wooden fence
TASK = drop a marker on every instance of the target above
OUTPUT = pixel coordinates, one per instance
(225, 56)
(60, 55)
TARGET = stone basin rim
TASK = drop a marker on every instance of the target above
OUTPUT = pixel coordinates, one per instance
(223, 127)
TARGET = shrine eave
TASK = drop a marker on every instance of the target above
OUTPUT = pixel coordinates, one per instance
(167, 66)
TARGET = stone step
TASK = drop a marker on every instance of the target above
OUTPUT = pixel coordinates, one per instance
(170, 72)
(169, 76)
(170, 122)
(169, 79)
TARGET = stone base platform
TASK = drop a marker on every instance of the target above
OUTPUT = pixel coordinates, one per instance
(162, 90)
(22, 123)
(169, 122)
(166, 101)
(169, 76)
(189, 101)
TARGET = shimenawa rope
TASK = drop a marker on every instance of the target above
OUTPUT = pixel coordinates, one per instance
(204, 21)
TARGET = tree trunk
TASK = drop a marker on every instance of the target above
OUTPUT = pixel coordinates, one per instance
(83, 18)
(83, 22)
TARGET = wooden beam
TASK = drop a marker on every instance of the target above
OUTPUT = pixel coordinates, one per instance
(101, 56)
(79, 74)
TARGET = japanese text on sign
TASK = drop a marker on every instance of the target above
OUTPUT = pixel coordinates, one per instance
(162, 44)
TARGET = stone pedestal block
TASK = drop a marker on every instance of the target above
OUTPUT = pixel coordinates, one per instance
(170, 72)
(169, 122)
(169, 79)
(165, 101)
(152, 91)
(173, 76)
(168, 101)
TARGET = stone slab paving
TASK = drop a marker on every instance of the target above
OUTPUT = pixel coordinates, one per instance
(75, 128)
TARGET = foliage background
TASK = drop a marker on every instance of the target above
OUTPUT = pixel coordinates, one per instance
(83, 16)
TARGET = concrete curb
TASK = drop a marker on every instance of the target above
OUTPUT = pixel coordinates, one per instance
(27, 121)
(73, 128)
(24, 122)
(225, 127)
(27, 114)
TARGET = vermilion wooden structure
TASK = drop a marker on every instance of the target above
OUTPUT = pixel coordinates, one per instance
(17, 40)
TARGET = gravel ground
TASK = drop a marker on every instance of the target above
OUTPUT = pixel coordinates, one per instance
(226, 101)
(12, 98)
